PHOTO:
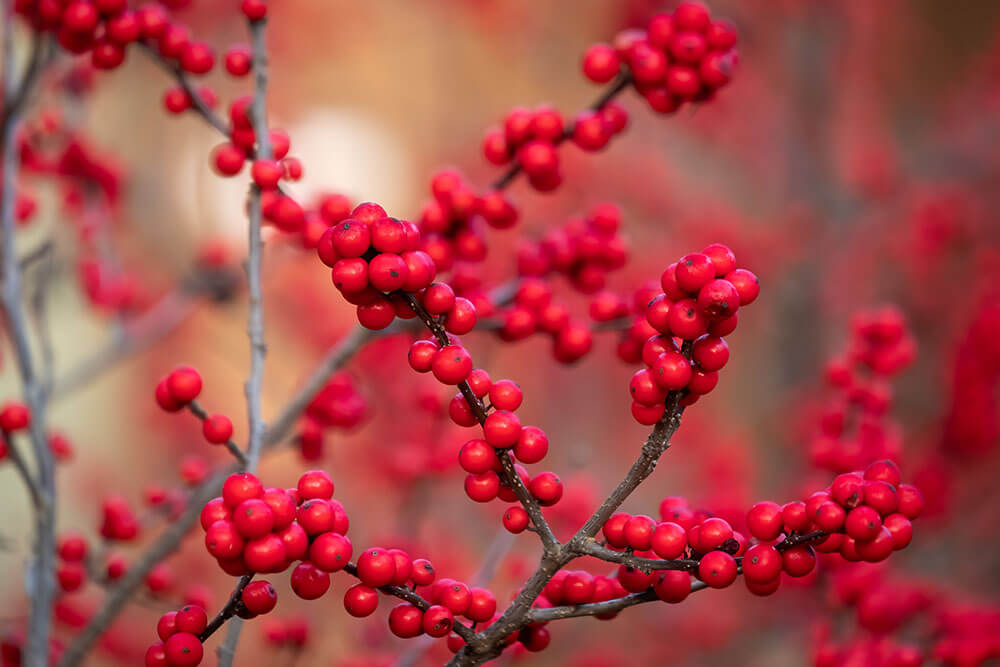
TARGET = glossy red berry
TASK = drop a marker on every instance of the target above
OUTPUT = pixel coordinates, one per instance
(217, 429)
(547, 488)
(762, 563)
(799, 560)
(184, 384)
(330, 552)
(515, 520)
(452, 364)
(259, 597)
(183, 649)
(746, 283)
(476, 456)
(253, 518)
(360, 600)
(672, 586)
(376, 567)
(532, 445)
(315, 484)
(309, 582)
(406, 621)
(502, 429)
(600, 63)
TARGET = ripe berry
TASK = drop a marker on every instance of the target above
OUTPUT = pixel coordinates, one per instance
(862, 523)
(406, 621)
(241, 486)
(476, 456)
(482, 605)
(578, 587)
(502, 429)
(532, 445)
(482, 487)
(223, 540)
(265, 554)
(710, 353)
(506, 395)
(600, 63)
(423, 572)
(330, 552)
(266, 173)
(183, 649)
(461, 319)
(687, 320)
(878, 548)
(315, 484)
(645, 389)
(762, 563)
(238, 60)
(360, 600)
(799, 560)
(880, 496)
(911, 501)
(316, 516)
(184, 384)
(259, 597)
(746, 283)
(765, 521)
(638, 532)
(309, 582)
(830, 517)
(167, 625)
(673, 586)
(253, 518)
(456, 597)
(515, 520)
(376, 567)
(668, 540)
(217, 429)
(547, 488)
(452, 364)
(671, 370)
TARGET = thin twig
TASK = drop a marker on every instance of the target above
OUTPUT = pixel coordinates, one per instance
(30, 483)
(255, 323)
(230, 609)
(197, 101)
(41, 570)
(195, 408)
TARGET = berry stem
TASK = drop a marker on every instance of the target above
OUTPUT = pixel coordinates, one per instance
(229, 610)
(195, 408)
(197, 101)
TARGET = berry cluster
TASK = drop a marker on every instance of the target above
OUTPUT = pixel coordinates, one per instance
(372, 256)
(855, 427)
(451, 223)
(337, 405)
(180, 644)
(251, 528)
(698, 306)
(72, 571)
(680, 57)
(531, 136)
(866, 515)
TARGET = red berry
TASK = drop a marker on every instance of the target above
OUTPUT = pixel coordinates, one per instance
(361, 600)
(452, 364)
(638, 532)
(515, 520)
(746, 283)
(668, 540)
(183, 649)
(502, 429)
(330, 552)
(238, 60)
(482, 487)
(376, 567)
(799, 560)
(862, 523)
(547, 488)
(259, 597)
(600, 63)
(315, 484)
(406, 621)
(673, 586)
(217, 429)
(241, 486)
(762, 563)
(253, 518)
(309, 582)
(184, 384)
(532, 445)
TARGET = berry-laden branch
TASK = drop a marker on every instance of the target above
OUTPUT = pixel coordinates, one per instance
(41, 577)
(509, 475)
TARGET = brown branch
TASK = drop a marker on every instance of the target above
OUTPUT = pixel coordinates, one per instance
(231, 608)
(647, 565)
